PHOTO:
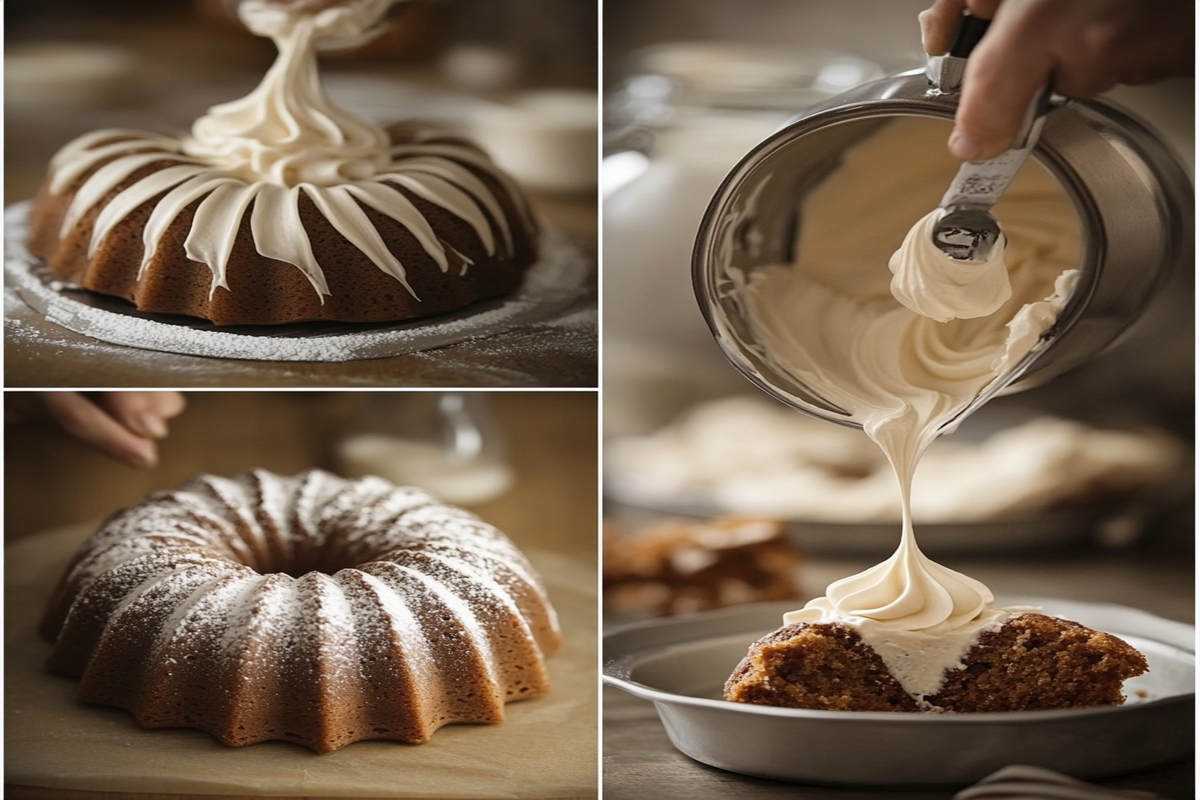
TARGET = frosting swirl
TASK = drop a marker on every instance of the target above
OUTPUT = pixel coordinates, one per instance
(907, 592)
(932, 284)
(287, 131)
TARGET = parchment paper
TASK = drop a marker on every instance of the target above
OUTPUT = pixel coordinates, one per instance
(546, 748)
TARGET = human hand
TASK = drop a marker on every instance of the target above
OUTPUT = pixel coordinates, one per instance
(124, 425)
(1079, 47)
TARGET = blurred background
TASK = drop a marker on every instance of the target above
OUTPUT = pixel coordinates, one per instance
(529, 468)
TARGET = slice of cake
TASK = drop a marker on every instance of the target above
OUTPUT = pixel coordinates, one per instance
(1023, 662)
(679, 566)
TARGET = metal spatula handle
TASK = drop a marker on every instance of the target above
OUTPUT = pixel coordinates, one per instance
(967, 230)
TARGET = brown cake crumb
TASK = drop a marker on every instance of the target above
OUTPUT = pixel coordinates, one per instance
(1032, 662)
(816, 665)
(679, 566)
(1037, 662)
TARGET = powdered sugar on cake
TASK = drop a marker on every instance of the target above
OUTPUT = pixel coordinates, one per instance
(329, 585)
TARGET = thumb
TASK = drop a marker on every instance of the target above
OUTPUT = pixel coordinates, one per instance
(998, 87)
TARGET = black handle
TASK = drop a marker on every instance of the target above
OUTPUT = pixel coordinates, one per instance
(970, 30)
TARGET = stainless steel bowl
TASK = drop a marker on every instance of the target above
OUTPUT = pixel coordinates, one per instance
(681, 664)
(1133, 198)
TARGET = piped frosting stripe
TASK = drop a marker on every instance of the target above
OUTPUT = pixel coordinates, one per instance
(215, 228)
(339, 207)
(276, 205)
(169, 207)
(398, 207)
(446, 195)
(131, 198)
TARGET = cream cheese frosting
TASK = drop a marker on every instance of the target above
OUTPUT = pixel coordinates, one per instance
(831, 321)
(927, 281)
(287, 130)
(284, 141)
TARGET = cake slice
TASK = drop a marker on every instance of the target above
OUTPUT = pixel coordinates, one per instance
(1029, 661)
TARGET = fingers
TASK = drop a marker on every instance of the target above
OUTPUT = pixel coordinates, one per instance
(143, 413)
(119, 436)
(1004, 73)
(938, 23)
(1001, 80)
(1079, 47)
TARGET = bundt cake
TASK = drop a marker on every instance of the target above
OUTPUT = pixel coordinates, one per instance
(311, 609)
(281, 207)
(679, 566)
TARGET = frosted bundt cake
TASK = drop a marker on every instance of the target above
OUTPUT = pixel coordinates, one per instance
(311, 609)
(281, 207)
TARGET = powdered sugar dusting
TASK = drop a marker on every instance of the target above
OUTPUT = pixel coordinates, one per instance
(551, 286)
(396, 618)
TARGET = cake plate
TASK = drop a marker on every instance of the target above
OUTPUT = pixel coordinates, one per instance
(552, 285)
(681, 665)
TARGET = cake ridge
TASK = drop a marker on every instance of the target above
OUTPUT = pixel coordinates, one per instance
(414, 675)
(471, 691)
(110, 679)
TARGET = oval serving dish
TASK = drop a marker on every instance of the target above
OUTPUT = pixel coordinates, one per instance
(681, 665)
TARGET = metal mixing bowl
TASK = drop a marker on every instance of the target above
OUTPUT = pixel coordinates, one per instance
(1133, 198)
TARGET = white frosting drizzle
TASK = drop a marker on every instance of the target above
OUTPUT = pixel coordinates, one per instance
(287, 131)
(831, 321)
(934, 285)
(283, 140)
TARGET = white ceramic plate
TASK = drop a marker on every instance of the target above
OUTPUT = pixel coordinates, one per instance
(681, 665)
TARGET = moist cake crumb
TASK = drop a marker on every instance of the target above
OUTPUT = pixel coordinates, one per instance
(1031, 662)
